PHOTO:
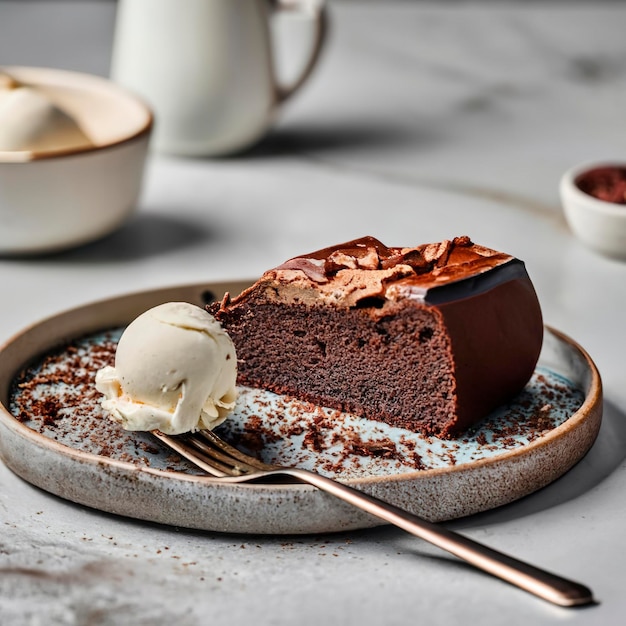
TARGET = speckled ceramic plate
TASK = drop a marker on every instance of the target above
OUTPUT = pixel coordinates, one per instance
(60, 441)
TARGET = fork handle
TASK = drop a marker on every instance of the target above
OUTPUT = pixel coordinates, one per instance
(539, 582)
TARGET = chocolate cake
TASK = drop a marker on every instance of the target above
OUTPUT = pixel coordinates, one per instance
(430, 338)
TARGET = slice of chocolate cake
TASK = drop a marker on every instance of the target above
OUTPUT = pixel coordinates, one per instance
(430, 338)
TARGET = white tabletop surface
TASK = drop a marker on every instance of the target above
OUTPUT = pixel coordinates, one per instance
(422, 122)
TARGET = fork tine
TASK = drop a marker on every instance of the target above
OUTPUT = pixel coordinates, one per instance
(214, 468)
(218, 451)
(251, 462)
(212, 454)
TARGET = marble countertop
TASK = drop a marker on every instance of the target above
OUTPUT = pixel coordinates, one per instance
(423, 122)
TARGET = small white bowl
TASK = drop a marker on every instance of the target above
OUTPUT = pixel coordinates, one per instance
(52, 200)
(599, 224)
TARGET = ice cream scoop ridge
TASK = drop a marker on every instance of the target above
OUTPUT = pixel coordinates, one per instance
(175, 371)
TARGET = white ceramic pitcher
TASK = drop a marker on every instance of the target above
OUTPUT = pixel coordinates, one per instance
(205, 66)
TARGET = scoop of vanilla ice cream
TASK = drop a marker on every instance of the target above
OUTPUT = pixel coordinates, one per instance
(30, 121)
(175, 371)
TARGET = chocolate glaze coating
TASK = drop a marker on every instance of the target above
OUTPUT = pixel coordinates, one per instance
(430, 338)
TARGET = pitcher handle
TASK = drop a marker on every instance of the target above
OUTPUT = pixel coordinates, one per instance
(320, 17)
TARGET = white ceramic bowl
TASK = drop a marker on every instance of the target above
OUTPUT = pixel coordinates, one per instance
(599, 224)
(51, 200)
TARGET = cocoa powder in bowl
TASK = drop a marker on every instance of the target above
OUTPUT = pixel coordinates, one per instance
(604, 183)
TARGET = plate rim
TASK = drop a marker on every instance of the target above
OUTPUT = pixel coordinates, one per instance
(178, 499)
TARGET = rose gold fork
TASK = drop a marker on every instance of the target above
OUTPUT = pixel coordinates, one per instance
(210, 453)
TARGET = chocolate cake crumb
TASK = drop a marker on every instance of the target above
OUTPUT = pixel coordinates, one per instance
(314, 438)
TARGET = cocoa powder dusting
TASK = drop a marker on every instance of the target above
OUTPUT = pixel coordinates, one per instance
(57, 398)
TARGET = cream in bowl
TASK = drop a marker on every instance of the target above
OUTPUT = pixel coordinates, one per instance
(594, 202)
(72, 155)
